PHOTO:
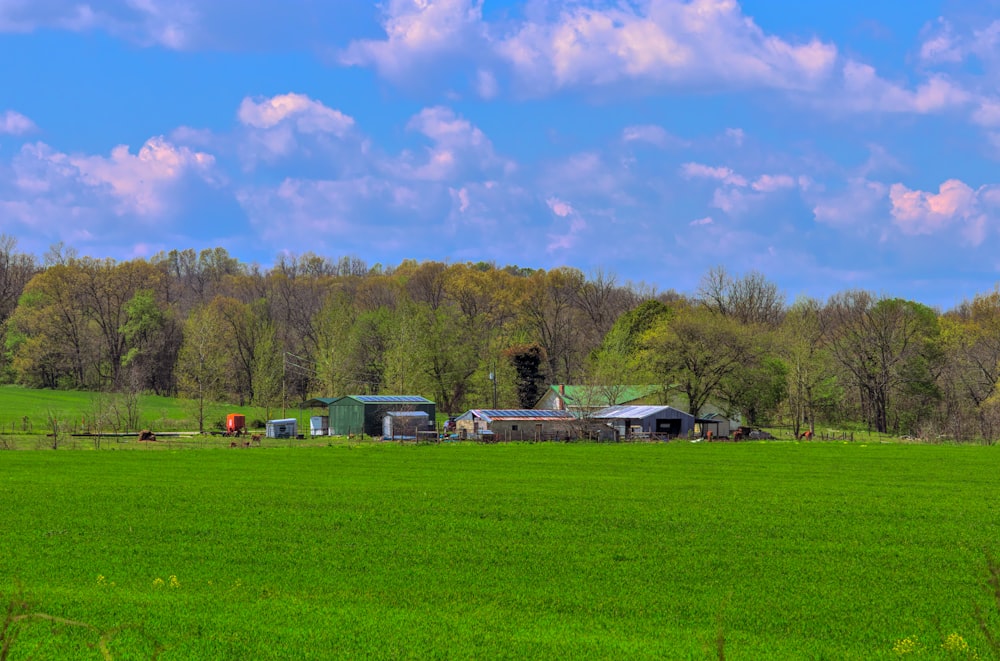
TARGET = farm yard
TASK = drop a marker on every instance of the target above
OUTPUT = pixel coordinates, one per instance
(679, 550)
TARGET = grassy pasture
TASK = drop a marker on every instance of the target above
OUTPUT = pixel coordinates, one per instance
(792, 551)
(74, 407)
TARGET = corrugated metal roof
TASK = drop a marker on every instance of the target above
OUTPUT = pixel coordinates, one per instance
(391, 399)
(638, 412)
(520, 414)
(408, 414)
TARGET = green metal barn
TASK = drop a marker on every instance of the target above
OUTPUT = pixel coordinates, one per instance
(357, 414)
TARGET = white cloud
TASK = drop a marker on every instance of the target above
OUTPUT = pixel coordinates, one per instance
(944, 44)
(865, 90)
(707, 220)
(14, 123)
(289, 125)
(486, 84)
(920, 212)
(559, 208)
(586, 43)
(307, 115)
(136, 184)
(988, 113)
(769, 183)
(651, 134)
(147, 22)
(940, 45)
(736, 135)
(862, 203)
(661, 41)
(458, 149)
(417, 30)
(723, 174)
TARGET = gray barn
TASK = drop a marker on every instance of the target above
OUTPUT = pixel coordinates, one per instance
(659, 420)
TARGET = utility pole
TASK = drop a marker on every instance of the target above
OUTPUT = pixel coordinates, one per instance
(493, 378)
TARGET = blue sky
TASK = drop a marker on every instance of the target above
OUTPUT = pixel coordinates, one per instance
(826, 145)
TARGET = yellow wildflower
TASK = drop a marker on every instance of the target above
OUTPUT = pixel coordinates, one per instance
(956, 647)
(906, 646)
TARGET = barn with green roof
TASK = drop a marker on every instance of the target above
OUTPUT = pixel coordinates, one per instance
(364, 414)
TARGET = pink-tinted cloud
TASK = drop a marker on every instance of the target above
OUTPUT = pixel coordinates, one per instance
(651, 134)
(14, 123)
(988, 113)
(307, 115)
(859, 207)
(458, 149)
(559, 208)
(147, 22)
(865, 90)
(138, 185)
(661, 41)
(723, 174)
(943, 43)
(770, 183)
(567, 235)
(922, 212)
(416, 31)
(286, 125)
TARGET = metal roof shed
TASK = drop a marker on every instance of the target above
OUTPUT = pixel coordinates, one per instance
(283, 428)
(363, 414)
(665, 420)
(404, 424)
(516, 424)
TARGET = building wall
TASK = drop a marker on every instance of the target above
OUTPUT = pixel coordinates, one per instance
(516, 430)
(374, 413)
(551, 401)
(347, 416)
(530, 430)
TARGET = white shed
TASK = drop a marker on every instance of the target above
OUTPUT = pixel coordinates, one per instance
(284, 428)
(404, 424)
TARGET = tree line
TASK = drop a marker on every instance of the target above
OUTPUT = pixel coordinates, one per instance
(209, 327)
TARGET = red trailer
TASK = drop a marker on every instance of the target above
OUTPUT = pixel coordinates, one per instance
(236, 424)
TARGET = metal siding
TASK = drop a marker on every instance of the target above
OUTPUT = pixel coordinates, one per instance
(346, 417)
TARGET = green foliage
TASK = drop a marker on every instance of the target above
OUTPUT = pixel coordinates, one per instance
(780, 550)
(695, 351)
(528, 361)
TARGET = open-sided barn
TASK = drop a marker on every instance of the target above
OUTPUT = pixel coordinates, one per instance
(516, 424)
(660, 420)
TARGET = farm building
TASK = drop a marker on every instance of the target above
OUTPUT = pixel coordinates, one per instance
(516, 424)
(364, 414)
(319, 425)
(284, 428)
(718, 424)
(404, 424)
(661, 420)
(584, 400)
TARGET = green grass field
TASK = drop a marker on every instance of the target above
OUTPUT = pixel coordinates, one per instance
(791, 551)
(76, 408)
